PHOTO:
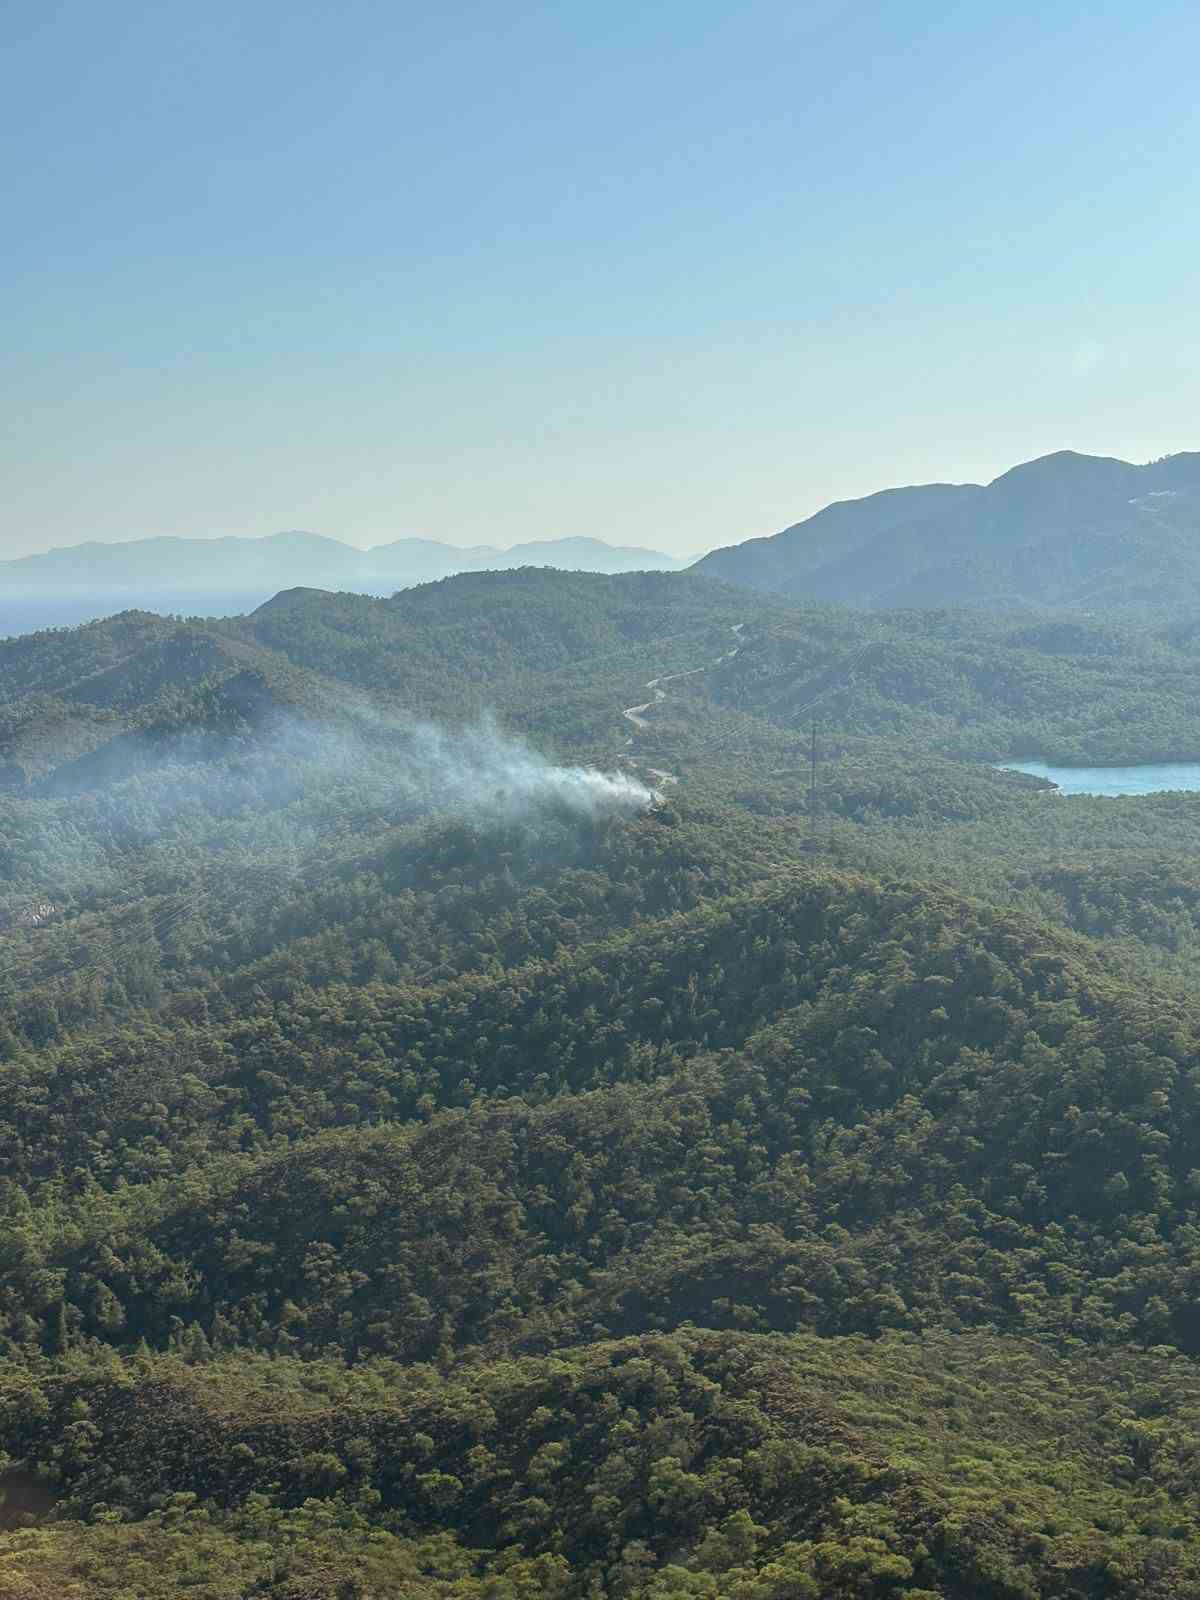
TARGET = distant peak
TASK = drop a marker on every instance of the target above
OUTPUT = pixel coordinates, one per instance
(303, 536)
(1063, 460)
(289, 597)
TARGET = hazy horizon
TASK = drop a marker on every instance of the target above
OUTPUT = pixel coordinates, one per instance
(343, 538)
(615, 537)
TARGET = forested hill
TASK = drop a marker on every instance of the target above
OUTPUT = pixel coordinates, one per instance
(561, 656)
(81, 706)
(470, 1131)
(1066, 532)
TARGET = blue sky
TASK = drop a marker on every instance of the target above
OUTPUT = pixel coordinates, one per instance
(668, 273)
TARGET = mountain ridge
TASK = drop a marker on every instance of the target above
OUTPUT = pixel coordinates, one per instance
(1065, 531)
(230, 574)
(392, 564)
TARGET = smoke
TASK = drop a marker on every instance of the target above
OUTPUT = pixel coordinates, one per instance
(404, 764)
(292, 802)
(481, 769)
(143, 816)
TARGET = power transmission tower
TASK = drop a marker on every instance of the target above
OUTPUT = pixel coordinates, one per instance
(812, 842)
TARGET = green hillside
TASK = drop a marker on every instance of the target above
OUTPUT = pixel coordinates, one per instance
(1065, 533)
(434, 1165)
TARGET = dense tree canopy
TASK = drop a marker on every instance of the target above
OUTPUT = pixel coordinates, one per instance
(471, 1190)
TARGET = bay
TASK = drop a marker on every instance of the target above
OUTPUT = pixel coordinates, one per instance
(1152, 778)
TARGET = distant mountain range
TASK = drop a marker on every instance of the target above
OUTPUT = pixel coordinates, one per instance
(1066, 532)
(213, 577)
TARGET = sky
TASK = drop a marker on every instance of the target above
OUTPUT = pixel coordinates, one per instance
(672, 273)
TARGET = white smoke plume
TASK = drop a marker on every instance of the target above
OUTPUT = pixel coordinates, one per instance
(300, 787)
(482, 769)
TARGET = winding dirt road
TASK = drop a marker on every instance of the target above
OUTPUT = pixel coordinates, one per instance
(637, 714)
